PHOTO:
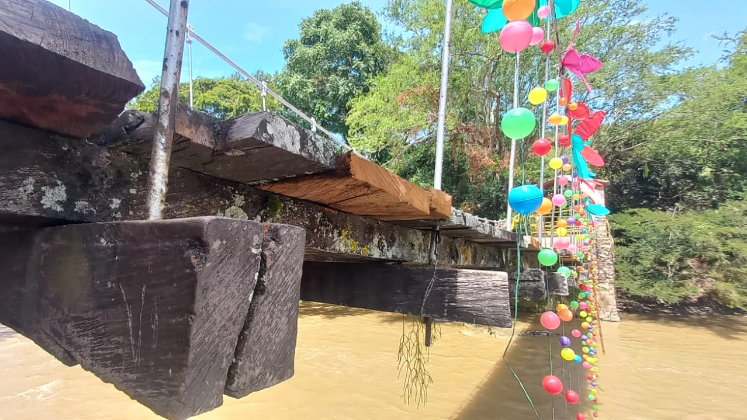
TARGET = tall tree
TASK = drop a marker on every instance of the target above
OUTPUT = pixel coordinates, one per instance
(332, 61)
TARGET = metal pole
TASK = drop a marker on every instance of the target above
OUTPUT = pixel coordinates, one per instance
(158, 176)
(68, 5)
(189, 48)
(509, 211)
(442, 99)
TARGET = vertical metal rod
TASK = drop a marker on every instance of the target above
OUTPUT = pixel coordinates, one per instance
(509, 211)
(440, 132)
(158, 176)
(68, 5)
(189, 48)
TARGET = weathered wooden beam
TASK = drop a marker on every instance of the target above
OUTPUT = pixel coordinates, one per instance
(557, 284)
(475, 296)
(267, 344)
(60, 72)
(251, 148)
(47, 179)
(153, 307)
(361, 187)
(531, 284)
(461, 224)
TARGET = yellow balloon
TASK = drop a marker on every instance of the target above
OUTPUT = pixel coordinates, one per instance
(567, 354)
(593, 390)
(589, 319)
(537, 95)
(555, 119)
(564, 120)
(585, 325)
(556, 163)
(545, 207)
(583, 314)
(561, 231)
(585, 349)
(518, 9)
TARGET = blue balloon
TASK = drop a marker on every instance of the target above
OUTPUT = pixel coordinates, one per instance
(525, 199)
(494, 21)
(563, 8)
(577, 359)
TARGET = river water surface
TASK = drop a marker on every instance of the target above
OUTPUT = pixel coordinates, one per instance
(655, 367)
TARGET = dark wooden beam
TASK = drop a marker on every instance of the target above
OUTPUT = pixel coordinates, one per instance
(531, 284)
(474, 296)
(153, 307)
(267, 344)
(60, 72)
(48, 179)
(251, 148)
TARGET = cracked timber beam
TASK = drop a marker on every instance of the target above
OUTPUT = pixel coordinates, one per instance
(249, 149)
(474, 296)
(60, 72)
(154, 307)
(47, 179)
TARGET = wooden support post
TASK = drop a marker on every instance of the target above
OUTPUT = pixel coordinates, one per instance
(267, 344)
(153, 307)
(473, 296)
(59, 72)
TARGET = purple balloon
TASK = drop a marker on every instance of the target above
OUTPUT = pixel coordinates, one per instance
(565, 341)
(584, 338)
(565, 159)
(594, 384)
(571, 221)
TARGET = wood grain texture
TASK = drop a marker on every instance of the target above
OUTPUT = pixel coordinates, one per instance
(557, 284)
(60, 72)
(153, 307)
(474, 296)
(531, 284)
(267, 344)
(251, 148)
(361, 187)
(47, 179)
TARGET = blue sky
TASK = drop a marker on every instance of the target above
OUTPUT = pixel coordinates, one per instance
(252, 32)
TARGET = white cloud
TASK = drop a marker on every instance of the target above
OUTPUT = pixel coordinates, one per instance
(256, 32)
(147, 70)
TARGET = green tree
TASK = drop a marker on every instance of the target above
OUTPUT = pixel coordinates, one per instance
(332, 61)
(222, 97)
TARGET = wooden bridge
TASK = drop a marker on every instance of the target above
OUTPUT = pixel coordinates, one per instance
(261, 213)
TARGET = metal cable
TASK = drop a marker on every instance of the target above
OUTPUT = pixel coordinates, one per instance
(258, 83)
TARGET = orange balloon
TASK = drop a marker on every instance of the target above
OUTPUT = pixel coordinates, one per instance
(563, 101)
(545, 207)
(566, 315)
(561, 223)
(518, 9)
(555, 119)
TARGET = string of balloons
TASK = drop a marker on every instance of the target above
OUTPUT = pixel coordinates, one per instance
(574, 203)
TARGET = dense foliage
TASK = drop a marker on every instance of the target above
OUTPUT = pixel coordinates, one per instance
(674, 138)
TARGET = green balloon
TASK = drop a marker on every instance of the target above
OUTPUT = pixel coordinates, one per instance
(552, 85)
(564, 271)
(595, 407)
(574, 304)
(568, 193)
(547, 257)
(580, 254)
(518, 123)
(591, 397)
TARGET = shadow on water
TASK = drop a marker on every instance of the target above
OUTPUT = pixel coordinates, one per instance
(501, 396)
(328, 311)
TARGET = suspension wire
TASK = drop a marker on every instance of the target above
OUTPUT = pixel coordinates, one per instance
(258, 83)
(509, 211)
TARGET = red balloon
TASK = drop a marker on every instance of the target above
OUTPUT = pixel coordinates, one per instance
(553, 385)
(550, 320)
(564, 140)
(547, 46)
(541, 147)
(580, 416)
(589, 376)
(571, 397)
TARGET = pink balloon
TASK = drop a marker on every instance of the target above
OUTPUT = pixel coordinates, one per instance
(563, 181)
(550, 320)
(543, 12)
(571, 248)
(516, 36)
(558, 199)
(576, 333)
(538, 34)
(583, 305)
(562, 243)
(587, 365)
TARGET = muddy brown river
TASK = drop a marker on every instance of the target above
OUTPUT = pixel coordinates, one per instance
(655, 367)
